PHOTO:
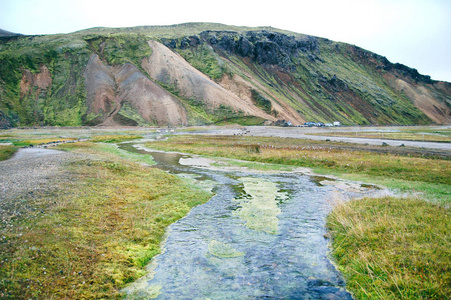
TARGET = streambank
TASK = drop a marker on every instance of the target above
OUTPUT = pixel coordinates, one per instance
(260, 236)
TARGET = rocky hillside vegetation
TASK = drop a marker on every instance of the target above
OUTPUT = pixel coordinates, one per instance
(199, 73)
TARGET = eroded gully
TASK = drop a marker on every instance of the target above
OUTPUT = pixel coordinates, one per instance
(260, 236)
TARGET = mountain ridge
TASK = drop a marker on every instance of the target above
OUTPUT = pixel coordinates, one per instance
(204, 73)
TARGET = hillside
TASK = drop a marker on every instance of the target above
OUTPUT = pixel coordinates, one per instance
(7, 33)
(203, 73)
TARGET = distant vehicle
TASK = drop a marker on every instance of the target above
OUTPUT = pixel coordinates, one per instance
(319, 124)
(310, 124)
(337, 124)
(329, 125)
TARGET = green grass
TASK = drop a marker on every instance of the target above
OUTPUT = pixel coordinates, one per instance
(95, 235)
(109, 150)
(176, 31)
(244, 121)
(118, 138)
(391, 248)
(21, 142)
(205, 60)
(6, 152)
(403, 135)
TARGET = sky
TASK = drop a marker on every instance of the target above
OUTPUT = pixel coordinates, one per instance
(416, 33)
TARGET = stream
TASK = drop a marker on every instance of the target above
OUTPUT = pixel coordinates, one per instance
(260, 236)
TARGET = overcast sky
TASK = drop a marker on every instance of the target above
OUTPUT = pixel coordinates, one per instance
(416, 33)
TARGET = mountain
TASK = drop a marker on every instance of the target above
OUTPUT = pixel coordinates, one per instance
(204, 73)
(7, 33)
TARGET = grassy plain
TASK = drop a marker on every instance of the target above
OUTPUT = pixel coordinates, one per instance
(87, 240)
(428, 135)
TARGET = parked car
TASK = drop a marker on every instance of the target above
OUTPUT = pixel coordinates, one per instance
(337, 123)
(329, 125)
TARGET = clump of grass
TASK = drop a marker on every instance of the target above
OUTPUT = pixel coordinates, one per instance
(108, 150)
(114, 138)
(391, 248)
(39, 141)
(90, 239)
(7, 151)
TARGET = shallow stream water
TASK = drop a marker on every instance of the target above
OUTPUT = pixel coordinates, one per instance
(260, 236)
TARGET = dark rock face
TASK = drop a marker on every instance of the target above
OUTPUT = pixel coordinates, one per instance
(189, 41)
(337, 84)
(412, 73)
(263, 47)
(381, 62)
(244, 47)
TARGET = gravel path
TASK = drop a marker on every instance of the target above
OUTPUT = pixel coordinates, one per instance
(28, 174)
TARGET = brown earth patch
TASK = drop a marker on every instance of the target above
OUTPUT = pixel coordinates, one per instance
(242, 88)
(41, 80)
(170, 68)
(423, 98)
(153, 103)
(108, 88)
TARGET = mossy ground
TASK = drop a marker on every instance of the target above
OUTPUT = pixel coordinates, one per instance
(97, 234)
(7, 151)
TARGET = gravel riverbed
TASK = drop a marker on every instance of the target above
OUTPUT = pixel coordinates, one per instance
(30, 173)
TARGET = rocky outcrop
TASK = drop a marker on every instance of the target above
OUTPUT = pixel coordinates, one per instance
(263, 47)
(382, 63)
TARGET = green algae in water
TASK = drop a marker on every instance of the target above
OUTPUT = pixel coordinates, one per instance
(151, 292)
(260, 208)
(222, 250)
